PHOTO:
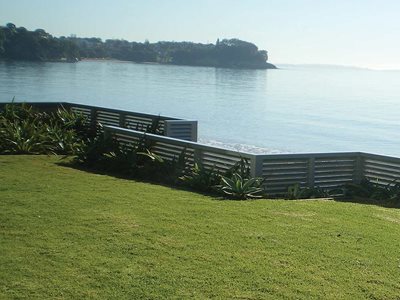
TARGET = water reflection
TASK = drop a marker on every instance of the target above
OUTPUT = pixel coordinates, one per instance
(304, 109)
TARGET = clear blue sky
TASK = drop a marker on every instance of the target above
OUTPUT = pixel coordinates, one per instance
(345, 32)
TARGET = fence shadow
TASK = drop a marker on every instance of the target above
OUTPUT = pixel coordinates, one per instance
(368, 201)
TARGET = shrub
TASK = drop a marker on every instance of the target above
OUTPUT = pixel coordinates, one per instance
(201, 179)
(24, 130)
(23, 137)
(136, 160)
(297, 192)
(241, 167)
(375, 191)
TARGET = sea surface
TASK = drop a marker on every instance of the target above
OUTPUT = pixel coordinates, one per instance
(289, 110)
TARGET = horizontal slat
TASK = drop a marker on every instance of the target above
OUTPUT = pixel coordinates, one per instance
(284, 182)
(329, 176)
(382, 166)
(271, 162)
(334, 170)
(388, 178)
(382, 172)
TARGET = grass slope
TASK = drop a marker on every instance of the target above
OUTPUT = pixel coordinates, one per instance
(69, 234)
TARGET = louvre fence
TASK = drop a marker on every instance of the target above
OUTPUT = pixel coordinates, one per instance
(323, 170)
(172, 127)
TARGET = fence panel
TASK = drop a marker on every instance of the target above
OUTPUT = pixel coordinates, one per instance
(280, 173)
(324, 170)
(381, 169)
(331, 172)
(177, 128)
(210, 157)
(184, 130)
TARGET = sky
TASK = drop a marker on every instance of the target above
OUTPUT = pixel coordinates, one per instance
(363, 33)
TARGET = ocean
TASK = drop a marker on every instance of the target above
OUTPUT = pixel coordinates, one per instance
(295, 109)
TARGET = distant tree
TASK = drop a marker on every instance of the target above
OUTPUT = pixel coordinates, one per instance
(11, 27)
(2, 40)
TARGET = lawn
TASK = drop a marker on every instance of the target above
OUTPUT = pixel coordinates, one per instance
(69, 234)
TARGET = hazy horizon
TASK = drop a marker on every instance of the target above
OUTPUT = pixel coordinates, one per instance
(360, 33)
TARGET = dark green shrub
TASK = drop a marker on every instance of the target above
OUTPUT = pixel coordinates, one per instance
(201, 179)
(105, 153)
(375, 191)
(136, 160)
(24, 130)
(23, 137)
(297, 192)
(154, 168)
(241, 167)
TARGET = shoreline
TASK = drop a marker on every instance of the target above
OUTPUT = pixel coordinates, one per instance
(268, 66)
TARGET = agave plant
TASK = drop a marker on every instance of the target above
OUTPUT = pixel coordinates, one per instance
(237, 187)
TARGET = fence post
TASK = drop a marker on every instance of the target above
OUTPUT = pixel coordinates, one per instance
(256, 166)
(198, 156)
(122, 118)
(181, 129)
(311, 172)
(93, 117)
(359, 168)
(107, 133)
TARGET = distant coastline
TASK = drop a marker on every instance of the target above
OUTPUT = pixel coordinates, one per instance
(18, 43)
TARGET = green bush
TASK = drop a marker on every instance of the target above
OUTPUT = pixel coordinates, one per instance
(375, 191)
(137, 160)
(201, 179)
(24, 130)
(297, 192)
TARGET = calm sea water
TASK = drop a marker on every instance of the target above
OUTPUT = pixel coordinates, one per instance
(293, 109)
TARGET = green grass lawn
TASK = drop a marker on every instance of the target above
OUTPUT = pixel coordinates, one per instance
(68, 234)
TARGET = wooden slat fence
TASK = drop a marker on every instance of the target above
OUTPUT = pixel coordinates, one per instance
(170, 148)
(183, 129)
(324, 170)
(380, 169)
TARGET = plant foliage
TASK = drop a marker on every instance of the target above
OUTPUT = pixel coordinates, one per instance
(24, 130)
(201, 179)
(240, 188)
(297, 192)
(374, 190)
